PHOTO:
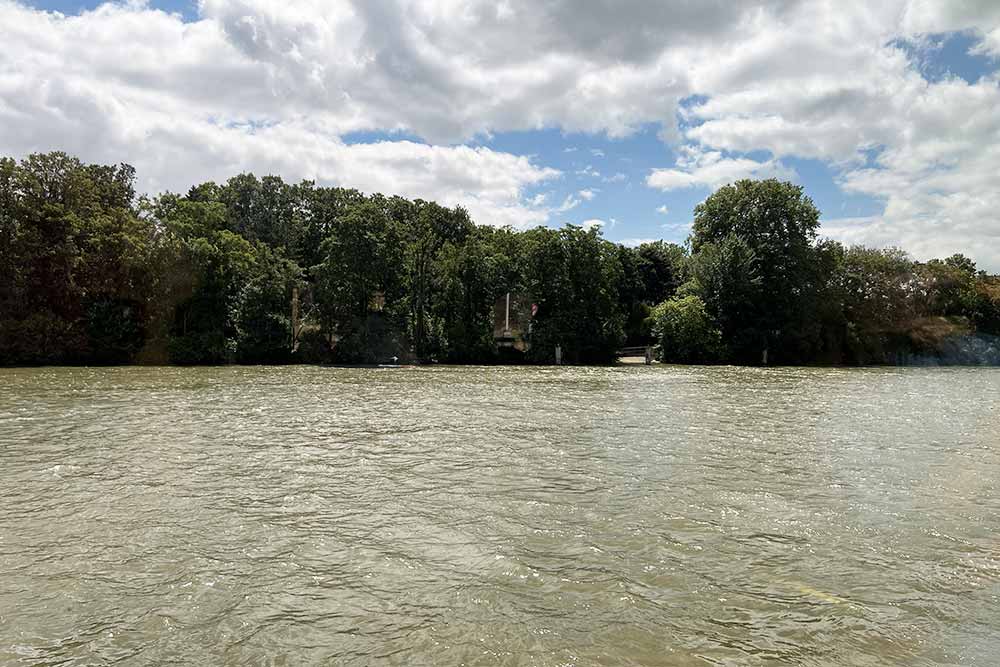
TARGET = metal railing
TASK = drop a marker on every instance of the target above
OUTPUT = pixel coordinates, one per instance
(645, 351)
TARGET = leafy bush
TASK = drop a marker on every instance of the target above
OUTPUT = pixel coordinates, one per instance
(685, 332)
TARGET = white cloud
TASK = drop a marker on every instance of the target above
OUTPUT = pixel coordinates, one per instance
(593, 223)
(935, 142)
(979, 16)
(697, 168)
(451, 60)
(663, 210)
(569, 203)
(635, 242)
(270, 86)
(588, 194)
(937, 180)
(990, 46)
(183, 105)
(597, 152)
(678, 229)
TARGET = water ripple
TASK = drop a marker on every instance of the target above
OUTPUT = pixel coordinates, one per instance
(549, 516)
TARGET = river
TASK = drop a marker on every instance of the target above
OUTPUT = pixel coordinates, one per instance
(515, 516)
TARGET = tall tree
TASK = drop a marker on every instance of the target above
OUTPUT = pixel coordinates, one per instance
(770, 225)
(76, 255)
(427, 228)
(359, 282)
(469, 276)
(262, 311)
(212, 264)
(573, 275)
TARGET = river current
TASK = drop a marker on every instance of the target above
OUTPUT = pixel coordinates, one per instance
(511, 516)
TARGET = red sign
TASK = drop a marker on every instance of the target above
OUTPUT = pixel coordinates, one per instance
(534, 309)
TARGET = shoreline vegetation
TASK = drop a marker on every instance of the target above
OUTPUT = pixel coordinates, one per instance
(257, 270)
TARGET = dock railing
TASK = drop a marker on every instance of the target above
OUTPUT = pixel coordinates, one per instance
(644, 351)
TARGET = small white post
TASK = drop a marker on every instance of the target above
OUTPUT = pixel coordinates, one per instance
(506, 320)
(558, 355)
(295, 319)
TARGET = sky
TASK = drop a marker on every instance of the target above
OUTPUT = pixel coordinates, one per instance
(621, 114)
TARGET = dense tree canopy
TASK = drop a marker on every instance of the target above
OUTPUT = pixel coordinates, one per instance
(573, 276)
(256, 270)
(755, 267)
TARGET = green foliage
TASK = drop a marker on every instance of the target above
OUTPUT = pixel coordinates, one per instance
(686, 333)
(74, 273)
(468, 277)
(90, 274)
(878, 290)
(754, 265)
(986, 312)
(650, 273)
(573, 275)
(360, 274)
(726, 277)
(262, 309)
(773, 217)
(114, 330)
(321, 209)
(661, 268)
(949, 285)
(428, 229)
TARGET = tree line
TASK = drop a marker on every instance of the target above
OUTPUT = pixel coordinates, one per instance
(91, 273)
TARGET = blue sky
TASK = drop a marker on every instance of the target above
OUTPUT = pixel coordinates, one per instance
(187, 8)
(532, 113)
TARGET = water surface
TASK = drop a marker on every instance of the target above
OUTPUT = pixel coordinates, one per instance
(516, 516)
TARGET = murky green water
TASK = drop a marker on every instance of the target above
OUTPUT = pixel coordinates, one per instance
(616, 516)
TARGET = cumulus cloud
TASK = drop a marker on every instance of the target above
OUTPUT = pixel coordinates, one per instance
(990, 46)
(923, 148)
(937, 179)
(186, 103)
(583, 70)
(663, 210)
(587, 194)
(711, 169)
(979, 16)
(269, 86)
(593, 223)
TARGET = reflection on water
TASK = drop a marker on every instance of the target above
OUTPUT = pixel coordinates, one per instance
(559, 516)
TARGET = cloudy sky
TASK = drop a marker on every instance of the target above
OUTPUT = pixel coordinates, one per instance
(623, 114)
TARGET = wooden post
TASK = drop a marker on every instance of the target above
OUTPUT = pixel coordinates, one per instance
(649, 355)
